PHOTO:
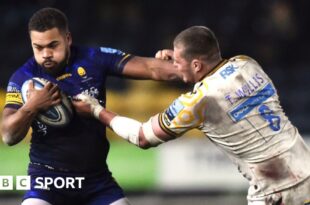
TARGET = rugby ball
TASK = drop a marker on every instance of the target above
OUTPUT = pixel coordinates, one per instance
(56, 116)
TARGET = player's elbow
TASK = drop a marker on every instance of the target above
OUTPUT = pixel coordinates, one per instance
(144, 144)
(8, 140)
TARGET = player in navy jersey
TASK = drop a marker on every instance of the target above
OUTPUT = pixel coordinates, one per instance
(80, 149)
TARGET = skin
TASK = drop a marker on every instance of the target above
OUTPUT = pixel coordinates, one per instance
(16, 123)
(190, 71)
(51, 50)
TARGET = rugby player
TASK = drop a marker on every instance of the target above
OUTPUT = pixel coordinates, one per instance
(235, 104)
(79, 149)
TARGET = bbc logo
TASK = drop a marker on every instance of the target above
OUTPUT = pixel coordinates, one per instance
(24, 182)
(7, 183)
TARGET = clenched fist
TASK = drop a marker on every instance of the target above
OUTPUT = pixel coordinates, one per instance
(165, 54)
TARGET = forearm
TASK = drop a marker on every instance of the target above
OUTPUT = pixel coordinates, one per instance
(150, 68)
(16, 126)
(127, 128)
(140, 134)
(162, 70)
(106, 117)
(135, 132)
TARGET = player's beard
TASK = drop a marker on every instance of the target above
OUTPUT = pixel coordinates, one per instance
(54, 68)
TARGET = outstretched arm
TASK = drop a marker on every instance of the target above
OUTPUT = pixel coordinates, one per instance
(144, 135)
(159, 68)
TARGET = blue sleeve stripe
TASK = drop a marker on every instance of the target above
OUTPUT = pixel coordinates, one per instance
(13, 105)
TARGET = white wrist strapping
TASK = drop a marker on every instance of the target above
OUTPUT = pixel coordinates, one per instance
(95, 107)
(126, 128)
(129, 129)
(149, 133)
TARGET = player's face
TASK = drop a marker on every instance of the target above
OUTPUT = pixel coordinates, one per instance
(183, 66)
(51, 49)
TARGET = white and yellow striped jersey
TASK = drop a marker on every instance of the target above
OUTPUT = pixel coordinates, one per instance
(237, 107)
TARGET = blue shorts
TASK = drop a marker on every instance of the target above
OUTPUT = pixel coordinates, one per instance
(95, 189)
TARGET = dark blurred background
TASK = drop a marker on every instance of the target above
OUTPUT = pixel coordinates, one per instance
(274, 32)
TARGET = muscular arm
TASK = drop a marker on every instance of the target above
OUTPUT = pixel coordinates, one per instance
(16, 123)
(144, 135)
(150, 68)
(128, 127)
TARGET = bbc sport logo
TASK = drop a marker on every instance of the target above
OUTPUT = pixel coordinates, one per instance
(24, 183)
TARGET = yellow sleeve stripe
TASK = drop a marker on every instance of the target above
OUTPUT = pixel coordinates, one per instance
(13, 98)
(123, 59)
(164, 127)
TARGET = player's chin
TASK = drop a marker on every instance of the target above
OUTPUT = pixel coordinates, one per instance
(186, 80)
(49, 64)
(51, 69)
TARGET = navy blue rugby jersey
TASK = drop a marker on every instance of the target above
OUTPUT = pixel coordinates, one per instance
(82, 145)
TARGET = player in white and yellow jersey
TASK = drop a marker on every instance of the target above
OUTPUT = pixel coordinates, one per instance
(236, 105)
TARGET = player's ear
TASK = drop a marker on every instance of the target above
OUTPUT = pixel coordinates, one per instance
(69, 38)
(196, 65)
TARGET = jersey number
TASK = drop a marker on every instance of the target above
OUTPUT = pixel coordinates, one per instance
(268, 115)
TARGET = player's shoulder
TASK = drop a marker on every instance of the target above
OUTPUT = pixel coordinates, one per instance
(109, 50)
(241, 61)
(197, 94)
(29, 65)
(93, 53)
(13, 92)
(242, 58)
(27, 70)
(96, 49)
(79, 51)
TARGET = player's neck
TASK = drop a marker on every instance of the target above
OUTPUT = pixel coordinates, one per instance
(208, 68)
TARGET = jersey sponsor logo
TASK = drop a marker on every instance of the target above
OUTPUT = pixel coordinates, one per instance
(166, 120)
(240, 111)
(13, 98)
(13, 88)
(93, 92)
(81, 72)
(64, 76)
(174, 109)
(111, 50)
(41, 128)
(228, 71)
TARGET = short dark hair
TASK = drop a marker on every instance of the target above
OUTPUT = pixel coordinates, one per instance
(48, 18)
(198, 41)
